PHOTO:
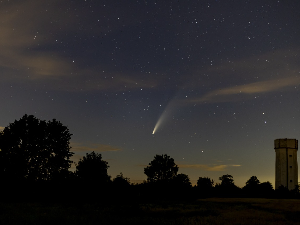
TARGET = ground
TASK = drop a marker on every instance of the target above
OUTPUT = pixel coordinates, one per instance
(205, 211)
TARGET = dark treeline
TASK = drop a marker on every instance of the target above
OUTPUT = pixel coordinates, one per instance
(35, 162)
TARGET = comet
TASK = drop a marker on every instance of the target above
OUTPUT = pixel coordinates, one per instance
(165, 115)
(159, 122)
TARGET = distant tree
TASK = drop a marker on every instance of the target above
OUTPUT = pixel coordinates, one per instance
(91, 168)
(253, 181)
(122, 190)
(252, 187)
(282, 192)
(162, 168)
(296, 191)
(205, 187)
(33, 149)
(179, 187)
(205, 183)
(181, 181)
(266, 186)
(226, 180)
(266, 189)
(227, 187)
(121, 181)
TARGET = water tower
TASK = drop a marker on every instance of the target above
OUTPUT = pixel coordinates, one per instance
(286, 172)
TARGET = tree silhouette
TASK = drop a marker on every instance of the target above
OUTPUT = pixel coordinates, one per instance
(266, 189)
(267, 186)
(253, 181)
(121, 181)
(252, 187)
(282, 192)
(182, 181)
(227, 187)
(33, 149)
(162, 168)
(226, 180)
(179, 187)
(205, 183)
(121, 190)
(205, 187)
(91, 168)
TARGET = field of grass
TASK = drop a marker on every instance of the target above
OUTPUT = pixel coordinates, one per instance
(206, 211)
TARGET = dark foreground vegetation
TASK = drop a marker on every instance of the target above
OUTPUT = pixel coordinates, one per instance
(35, 161)
(38, 188)
(206, 211)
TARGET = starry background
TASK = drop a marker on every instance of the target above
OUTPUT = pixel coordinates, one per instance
(221, 77)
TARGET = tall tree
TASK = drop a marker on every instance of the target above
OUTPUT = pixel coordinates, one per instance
(227, 188)
(161, 168)
(92, 168)
(34, 149)
(252, 187)
(252, 182)
(226, 180)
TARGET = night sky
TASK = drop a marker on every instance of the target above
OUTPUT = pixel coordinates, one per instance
(218, 80)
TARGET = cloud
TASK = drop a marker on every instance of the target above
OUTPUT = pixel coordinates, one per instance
(35, 50)
(96, 80)
(76, 147)
(229, 94)
(39, 49)
(241, 79)
(207, 167)
(23, 41)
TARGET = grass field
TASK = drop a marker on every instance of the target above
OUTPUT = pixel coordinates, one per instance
(206, 211)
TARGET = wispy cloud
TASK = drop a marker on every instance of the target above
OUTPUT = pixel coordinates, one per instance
(21, 41)
(233, 93)
(76, 147)
(207, 167)
(241, 79)
(96, 80)
(30, 50)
